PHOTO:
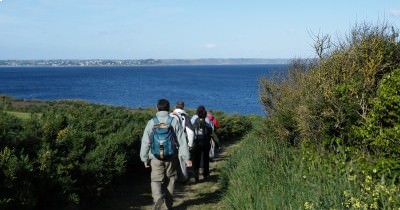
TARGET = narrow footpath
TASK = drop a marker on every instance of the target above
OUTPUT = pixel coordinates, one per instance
(135, 193)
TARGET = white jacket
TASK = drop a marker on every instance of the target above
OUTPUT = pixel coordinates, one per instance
(185, 124)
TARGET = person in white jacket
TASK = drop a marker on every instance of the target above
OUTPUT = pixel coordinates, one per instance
(180, 114)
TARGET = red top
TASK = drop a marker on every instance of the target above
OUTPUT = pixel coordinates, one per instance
(214, 120)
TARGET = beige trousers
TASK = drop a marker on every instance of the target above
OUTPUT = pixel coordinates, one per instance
(163, 176)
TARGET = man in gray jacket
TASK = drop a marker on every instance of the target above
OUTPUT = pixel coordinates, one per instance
(163, 172)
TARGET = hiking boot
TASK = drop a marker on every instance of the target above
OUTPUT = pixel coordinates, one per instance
(158, 204)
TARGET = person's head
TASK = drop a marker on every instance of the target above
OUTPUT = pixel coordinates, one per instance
(201, 112)
(180, 105)
(210, 112)
(163, 105)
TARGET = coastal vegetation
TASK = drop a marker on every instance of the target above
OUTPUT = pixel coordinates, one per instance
(330, 138)
(62, 154)
(332, 132)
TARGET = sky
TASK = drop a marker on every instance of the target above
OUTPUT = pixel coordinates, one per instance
(179, 29)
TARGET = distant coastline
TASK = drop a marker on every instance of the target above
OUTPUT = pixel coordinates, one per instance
(137, 62)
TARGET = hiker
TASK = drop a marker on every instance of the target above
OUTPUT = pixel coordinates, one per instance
(215, 144)
(201, 143)
(160, 140)
(180, 114)
(213, 119)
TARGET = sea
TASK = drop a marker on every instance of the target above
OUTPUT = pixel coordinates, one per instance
(228, 88)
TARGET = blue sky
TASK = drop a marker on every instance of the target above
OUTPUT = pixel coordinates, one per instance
(164, 29)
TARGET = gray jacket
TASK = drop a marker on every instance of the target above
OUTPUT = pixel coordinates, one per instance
(145, 153)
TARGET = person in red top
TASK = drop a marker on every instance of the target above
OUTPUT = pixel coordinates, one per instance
(214, 136)
(211, 117)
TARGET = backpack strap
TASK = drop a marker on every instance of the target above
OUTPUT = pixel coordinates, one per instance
(178, 116)
(169, 120)
(155, 120)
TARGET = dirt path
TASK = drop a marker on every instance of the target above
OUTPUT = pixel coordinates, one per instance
(136, 193)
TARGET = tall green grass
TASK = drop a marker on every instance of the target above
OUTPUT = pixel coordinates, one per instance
(264, 173)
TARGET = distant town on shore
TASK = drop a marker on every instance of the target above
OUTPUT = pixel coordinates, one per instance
(136, 62)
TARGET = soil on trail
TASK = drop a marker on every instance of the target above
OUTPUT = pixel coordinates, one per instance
(135, 192)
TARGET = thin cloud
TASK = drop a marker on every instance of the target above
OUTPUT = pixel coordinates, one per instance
(395, 12)
(211, 46)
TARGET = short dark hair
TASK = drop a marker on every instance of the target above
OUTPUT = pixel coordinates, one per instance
(201, 112)
(163, 105)
(180, 105)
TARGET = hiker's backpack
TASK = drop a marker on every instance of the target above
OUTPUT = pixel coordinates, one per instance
(181, 117)
(202, 132)
(162, 139)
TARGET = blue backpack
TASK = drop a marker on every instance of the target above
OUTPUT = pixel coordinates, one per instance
(162, 139)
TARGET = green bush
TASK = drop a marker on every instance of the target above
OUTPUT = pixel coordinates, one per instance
(345, 106)
(69, 153)
(381, 131)
(233, 126)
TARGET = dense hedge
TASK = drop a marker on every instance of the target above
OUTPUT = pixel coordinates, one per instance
(65, 154)
(68, 152)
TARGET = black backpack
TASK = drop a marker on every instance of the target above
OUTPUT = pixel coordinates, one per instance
(202, 132)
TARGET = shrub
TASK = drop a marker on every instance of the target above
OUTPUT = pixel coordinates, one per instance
(68, 154)
(381, 131)
(233, 126)
(321, 100)
(345, 104)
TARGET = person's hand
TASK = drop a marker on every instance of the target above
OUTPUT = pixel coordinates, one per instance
(146, 165)
(188, 163)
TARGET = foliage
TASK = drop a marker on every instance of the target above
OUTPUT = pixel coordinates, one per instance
(264, 173)
(321, 100)
(380, 133)
(233, 126)
(373, 195)
(341, 100)
(331, 123)
(69, 153)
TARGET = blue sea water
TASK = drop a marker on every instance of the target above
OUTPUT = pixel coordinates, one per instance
(229, 88)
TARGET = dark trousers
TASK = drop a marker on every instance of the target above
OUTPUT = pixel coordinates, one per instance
(197, 153)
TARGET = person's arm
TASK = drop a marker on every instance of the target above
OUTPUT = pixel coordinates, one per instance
(210, 123)
(145, 144)
(183, 145)
(180, 135)
(189, 133)
(193, 119)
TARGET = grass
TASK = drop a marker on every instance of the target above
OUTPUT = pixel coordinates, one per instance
(265, 174)
(21, 115)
